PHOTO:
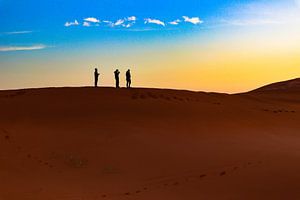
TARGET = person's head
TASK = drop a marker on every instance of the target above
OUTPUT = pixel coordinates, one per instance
(96, 69)
(128, 70)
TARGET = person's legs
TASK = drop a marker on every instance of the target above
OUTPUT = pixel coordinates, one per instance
(117, 83)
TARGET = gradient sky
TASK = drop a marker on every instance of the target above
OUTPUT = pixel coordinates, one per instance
(203, 45)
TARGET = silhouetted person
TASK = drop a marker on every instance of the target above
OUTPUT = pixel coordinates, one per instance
(128, 78)
(96, 75)
(117, 73)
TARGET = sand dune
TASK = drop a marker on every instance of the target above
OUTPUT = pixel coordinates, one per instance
(103, 143)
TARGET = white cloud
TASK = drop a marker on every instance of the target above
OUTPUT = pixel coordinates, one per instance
(175, 22)
(92, 19)
(119, 22)
(127, 25)
(109, 23)
(87, 24)
(126, 22)
(130, 21)
(193, 20)
(75, 23)
(154, 21)
(132, 18)
(17, 32)
(22, 48)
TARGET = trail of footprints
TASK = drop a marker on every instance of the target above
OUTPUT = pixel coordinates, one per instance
(9, 139)
(168, 182)
(278, 111)
(149, 95)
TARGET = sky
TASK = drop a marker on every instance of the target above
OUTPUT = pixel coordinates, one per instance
(202, 45)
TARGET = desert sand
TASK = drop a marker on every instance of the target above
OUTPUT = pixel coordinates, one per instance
(150, 144)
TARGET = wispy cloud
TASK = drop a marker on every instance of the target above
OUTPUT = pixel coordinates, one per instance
(193, 20)
(119, 22)
(128, 22)
(127, 25)
(75, 23)
(21, 48)
(92, 20)
(17, 32)
(86, 24)
(109, 23)
(132, 18)
(175, 22)
(125, 22)
(154, 21)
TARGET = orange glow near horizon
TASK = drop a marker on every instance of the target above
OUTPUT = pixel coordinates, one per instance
(234, 62)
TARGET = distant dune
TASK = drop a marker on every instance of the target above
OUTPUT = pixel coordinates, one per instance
(284, 86)
(104, 143)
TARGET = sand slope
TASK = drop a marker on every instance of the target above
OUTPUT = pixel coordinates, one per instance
(87, 143)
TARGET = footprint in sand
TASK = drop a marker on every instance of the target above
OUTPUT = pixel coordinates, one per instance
(180, 99)
(202, 176)
(235, 168)
(152, 96)
(135, 95)
(168, 99)
(142, 96)
(176, 183)
(223, 173)
(161, 96)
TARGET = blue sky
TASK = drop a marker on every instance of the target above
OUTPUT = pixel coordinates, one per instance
(41, 23)
(47, 37)
(47, 18)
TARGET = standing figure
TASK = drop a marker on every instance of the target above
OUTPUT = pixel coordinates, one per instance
(117, 78)
(128, 79)
(96, 75)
